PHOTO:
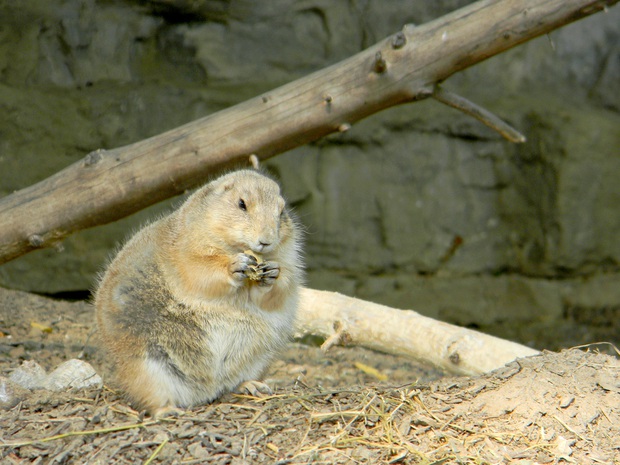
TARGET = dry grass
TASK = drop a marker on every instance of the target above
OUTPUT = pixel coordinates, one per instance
(450, 421)
(553, 409)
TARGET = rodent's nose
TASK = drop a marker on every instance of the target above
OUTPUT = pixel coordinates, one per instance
(263, 245)
(265, 240)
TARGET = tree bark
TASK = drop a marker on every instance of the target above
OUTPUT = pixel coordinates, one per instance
(108, 185)
(346, 320)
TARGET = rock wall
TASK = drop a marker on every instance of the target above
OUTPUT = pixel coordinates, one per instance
(416, 207)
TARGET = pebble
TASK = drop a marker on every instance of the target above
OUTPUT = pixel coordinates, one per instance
(198, 451)
(11, 393)
(29, 375)
(72, 374)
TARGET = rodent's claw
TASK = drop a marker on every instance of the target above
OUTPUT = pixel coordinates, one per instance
(254, 388)
(251, 259)
(268, 273)
(271, 269)
(241, 265)
(167, 412)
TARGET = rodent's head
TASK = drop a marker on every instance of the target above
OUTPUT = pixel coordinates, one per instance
(238, 211)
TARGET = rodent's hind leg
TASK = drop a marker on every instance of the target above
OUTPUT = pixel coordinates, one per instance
(254, 388)
(151, 385)
(167, 412)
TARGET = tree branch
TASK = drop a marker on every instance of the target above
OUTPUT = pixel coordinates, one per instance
(108, 185)
(484, 116)
(343, 319)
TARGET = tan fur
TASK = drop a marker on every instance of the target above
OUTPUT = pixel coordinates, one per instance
(175, 309)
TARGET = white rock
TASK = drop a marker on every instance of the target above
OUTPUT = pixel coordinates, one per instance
(73, 374)
(29, 375)
(11, 393)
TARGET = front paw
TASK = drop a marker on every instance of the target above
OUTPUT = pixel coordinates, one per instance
(267, 272)
(242, 266)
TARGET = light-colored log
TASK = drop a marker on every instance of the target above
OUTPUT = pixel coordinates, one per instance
(403, 332)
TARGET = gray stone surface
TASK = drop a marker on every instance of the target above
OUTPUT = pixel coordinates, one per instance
(418, 206)
(11, 393)
(29, 375)
(73, 374)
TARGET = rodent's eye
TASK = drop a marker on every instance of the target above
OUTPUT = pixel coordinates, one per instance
(242, 205)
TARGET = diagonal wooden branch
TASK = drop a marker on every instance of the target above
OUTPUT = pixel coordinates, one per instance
(108, 185)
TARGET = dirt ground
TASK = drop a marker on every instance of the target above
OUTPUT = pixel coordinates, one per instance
(348, 406)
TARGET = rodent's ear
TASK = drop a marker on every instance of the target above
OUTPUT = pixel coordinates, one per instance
(222, 187)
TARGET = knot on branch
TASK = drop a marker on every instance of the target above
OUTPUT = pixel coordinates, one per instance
(380, 65)
(399, 40)
(340, 337)
(93, 157)
(35, 240)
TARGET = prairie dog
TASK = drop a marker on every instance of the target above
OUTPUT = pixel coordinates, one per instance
(185, 309)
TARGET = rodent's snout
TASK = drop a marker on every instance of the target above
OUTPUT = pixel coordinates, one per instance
(266, 240)
(265, 227)
(263, 245)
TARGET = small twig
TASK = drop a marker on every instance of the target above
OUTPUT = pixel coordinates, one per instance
(448, 423)
(257, 415)
(327, 416)
(419, 402)
(594, 344)
(409, 446)
(303, 439)
(79, 433)
(568, 428)
(347, 427)
(156, 451)
(339, 337)
(484, 116)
